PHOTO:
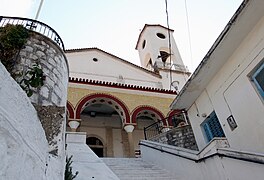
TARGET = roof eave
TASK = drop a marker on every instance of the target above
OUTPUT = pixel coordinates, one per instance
(209, 65)
(144, 28)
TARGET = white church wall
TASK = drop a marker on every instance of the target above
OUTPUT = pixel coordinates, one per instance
(232, 93)
(154, 44)
(149, 47)
(168, 78)
(108, 69)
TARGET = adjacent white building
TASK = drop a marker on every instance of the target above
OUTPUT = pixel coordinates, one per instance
(224, 96)
(224, 101)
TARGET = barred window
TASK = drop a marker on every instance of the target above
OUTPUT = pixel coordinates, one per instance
(212, 128)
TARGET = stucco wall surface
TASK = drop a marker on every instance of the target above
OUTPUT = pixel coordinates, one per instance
(85, 161)
(206, 165)
(231, 92)
(130, 100)
(23, 145)
(109, 69)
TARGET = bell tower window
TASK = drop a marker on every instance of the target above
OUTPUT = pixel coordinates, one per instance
(164, 56)
(143, 44)
(149, 65)
(161, 36)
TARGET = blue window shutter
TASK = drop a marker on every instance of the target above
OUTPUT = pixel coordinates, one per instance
(207, 131)
(212, 128)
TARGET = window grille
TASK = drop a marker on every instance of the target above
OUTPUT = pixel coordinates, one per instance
(212, 128)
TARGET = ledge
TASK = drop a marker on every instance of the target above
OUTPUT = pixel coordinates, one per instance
(119, 85)
(216, 147)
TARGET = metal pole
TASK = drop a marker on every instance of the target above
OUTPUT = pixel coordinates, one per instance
(39, 8)
(185, 117)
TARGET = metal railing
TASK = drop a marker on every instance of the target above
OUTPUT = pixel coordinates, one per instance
(167, 65)
(33, 25)
(159, 127)
(153, 129)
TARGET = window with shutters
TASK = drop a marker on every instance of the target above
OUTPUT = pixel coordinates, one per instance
(212, 128)
(257, 78)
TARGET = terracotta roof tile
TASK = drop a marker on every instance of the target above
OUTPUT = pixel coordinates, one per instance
(119, 85)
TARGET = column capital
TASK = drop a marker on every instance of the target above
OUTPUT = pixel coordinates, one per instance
(129, 128)
(74, 124)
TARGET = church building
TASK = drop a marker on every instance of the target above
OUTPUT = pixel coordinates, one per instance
(112, 99)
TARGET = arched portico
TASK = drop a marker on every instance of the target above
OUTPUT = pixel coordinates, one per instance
(104, 115)
(106, 99)
(176, 117)
(147, 111)
(70, 110)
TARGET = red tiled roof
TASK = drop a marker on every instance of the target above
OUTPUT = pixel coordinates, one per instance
(119, 85)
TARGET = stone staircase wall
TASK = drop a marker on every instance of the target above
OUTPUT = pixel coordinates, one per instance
(180, 137)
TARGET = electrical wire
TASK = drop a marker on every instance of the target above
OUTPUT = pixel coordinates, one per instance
(189, 33)
(168, 26)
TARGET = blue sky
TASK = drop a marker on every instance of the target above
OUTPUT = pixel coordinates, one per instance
(114, 25)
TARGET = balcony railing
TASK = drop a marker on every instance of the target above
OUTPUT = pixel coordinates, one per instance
(158, 127)
(153, 129)
(167, 65)
(33, 25)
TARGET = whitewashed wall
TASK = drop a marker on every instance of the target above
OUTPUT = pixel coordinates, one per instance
(186, 164)
(231, 92)
(167, 79)
(23, 144)
(154, 44)
(108, 68)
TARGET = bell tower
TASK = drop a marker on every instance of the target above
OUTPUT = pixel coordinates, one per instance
(158, 52)
(153, 47)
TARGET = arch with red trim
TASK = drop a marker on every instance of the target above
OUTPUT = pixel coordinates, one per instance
(70, 110)
(171, 113)
(139, 109)
(123, 110)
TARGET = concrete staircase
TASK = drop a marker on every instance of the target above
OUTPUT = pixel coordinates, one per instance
(136, 169)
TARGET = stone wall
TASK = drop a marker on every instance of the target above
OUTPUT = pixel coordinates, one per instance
(40, 49)
(180, 137)
(48, 162)
(50, 99)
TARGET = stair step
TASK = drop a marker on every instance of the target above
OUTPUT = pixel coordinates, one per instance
(136, 169)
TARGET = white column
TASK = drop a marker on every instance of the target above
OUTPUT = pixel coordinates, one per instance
(129, 129)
